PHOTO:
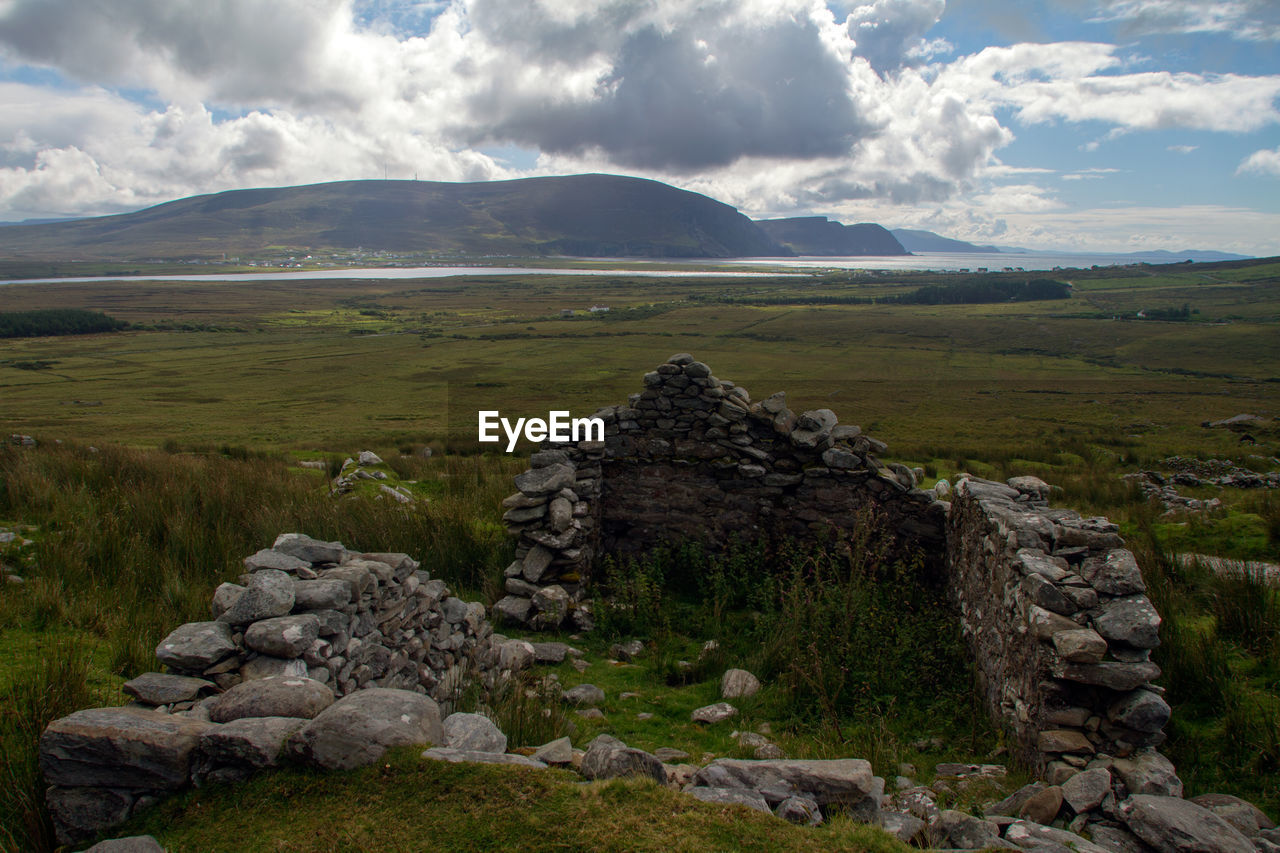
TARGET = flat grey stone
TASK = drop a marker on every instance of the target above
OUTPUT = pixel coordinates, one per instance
(326, 593)
(309, 550)
(584, 694)
(132, 844)
(160, 688)
(1130, 620)
(119, 748)
(846, 781)
(269, 666)
(717, 713)
(731, 796)
(271, 559)
(465, 756)
(1172, 824)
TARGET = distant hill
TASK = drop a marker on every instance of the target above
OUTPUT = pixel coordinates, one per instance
(1161, 256)
(914, 240)
(817, 235)
(587, 215)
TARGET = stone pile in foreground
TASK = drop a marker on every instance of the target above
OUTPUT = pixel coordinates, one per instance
(318, 654)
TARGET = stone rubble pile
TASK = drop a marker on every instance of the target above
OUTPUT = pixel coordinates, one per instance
(1055, 612)
(365, 646)
(1194, 473)
(692, 457)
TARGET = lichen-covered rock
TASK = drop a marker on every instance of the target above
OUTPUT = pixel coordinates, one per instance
(196, 646)
(357, 729)
(269, 593)
(473, 733)
(738, 683)
(283, 636)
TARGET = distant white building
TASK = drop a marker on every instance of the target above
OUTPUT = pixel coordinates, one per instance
(599, 309)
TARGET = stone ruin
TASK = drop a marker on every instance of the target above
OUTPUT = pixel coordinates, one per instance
(1051, 603)
(691, 457)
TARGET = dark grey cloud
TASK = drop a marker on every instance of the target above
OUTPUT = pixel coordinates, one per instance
(701, 95)
(229, 52)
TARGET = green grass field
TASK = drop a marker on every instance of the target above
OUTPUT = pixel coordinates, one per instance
(202, 409)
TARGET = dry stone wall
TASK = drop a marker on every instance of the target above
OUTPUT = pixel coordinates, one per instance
(321, 653)
(691, 457)
(1054, 609)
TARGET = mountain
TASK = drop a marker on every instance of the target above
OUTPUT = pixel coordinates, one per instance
(587, 215)
(817, 235)
(914, 240)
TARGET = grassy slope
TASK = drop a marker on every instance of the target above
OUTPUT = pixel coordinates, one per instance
(410, 804)
(1061, 389)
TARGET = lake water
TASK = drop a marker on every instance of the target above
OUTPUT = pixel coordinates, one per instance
(949, 261)
(952, 261)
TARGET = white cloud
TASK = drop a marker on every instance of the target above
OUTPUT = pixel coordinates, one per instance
(1182, 149)
(1051, 82)
(1264, 162)
(1247, 20)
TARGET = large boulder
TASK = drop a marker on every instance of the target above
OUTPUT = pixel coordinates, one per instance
(357, 729)
(81, 813)
(276, 696)
(120, 748)
(196, 646)
(473, 733)
(1174, 825)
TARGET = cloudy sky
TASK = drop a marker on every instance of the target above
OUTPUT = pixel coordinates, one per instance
(1105, 125)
